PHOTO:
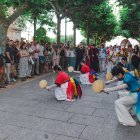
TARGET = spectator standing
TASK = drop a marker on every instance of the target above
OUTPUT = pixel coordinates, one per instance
(22, 41)
(35, 57)
(72, 60)
(1, 68)
(129, 53)
(48, 58)
(31, 52)
(80, 51)
(62, 55)
(55, 56)
(16, 54)
(102, 53)
(41, 56)
(7, 41)
(93, 53)
(67, 54)
(135, 57)
(9, 61)
(23, 65)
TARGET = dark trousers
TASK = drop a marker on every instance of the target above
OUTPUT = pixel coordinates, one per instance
(78, 63)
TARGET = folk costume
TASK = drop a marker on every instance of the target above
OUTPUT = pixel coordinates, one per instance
(67, 88)
(119, 55)
(110, 63)
(94, 64)
(87, 76)
(128, 105)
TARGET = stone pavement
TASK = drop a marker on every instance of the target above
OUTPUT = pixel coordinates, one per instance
(30, 113)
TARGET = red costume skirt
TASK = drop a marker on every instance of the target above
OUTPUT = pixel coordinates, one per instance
(70, 90)
(1, 68)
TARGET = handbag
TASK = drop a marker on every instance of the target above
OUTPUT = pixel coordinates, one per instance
(12, 68)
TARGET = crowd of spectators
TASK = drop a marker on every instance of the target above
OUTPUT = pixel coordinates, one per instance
(36, 58)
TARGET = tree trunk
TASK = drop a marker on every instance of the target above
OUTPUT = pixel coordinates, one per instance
(34, 28)
(58, 30)
(3, 33)
(87, 35)
(74, 34)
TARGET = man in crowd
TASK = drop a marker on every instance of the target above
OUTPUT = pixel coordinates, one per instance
(102, 53)
(41, 56)
(127, 65)
(80, 52)
(9, 60)
(35, 56)
(67, 57)
(93, 53)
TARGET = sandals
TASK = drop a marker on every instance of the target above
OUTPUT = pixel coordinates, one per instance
(2, 86)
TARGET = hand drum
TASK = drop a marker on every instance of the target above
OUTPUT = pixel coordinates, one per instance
(43, 84)
(98, 86)
(70, 69)
(109, 76)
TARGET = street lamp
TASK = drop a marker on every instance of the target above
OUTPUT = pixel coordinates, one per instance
(29, 32)
(65, 31)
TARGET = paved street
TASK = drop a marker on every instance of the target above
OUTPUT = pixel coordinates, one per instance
(30, 113)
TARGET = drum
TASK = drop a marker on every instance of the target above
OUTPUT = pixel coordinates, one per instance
(125, 70)
(98, 86)
(70, 69)
(43, 84)
(109, 76)
(108, 58)
(113, 60)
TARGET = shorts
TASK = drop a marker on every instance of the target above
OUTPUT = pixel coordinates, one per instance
(41, 59)
(1, 68)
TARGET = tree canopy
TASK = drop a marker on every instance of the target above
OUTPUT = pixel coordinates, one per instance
(130, 21)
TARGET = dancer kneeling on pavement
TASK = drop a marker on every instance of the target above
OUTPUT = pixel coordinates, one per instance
(87, 76)
(67, 88)
(129, 104)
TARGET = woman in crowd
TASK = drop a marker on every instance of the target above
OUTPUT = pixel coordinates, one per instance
(30, 63)
(111, 53)
(135, 57)
(67, 88)
(72, 57)
(129, 53)
(48, 58)
(23, 64)
(18, 48)
(55, 56)
(1, 67)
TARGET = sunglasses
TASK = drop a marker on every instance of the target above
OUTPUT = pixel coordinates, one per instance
(8, 39)
(17, 41)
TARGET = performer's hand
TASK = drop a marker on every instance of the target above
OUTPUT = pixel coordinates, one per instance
(92, 55)
(106, 83)
(103, 90)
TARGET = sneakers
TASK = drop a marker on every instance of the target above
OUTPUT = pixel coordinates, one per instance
(10, 83)
(14, 80)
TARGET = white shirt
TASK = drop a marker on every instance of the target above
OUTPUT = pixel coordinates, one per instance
(72, 54)
(67, 53)
(41, 50)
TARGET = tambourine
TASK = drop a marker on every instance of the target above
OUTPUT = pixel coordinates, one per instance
(43, 84)
(125, 69)
(109, 76)
(98, 86)
(70, 69)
